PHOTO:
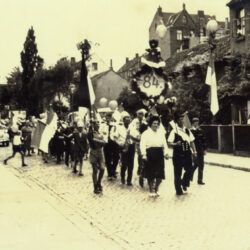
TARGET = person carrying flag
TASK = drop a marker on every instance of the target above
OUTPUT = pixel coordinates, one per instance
(182, 141)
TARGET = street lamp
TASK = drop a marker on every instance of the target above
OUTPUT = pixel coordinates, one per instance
(212, 28)
(161, 29)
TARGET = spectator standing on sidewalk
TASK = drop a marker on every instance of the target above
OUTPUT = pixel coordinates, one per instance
(16, 146)
(96, 156)
(182, 141)
(200, 144)
(154, 149)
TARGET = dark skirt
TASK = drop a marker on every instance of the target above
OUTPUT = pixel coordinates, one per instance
(155, 165)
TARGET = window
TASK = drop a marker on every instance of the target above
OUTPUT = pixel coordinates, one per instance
(179, 35)
(94, 66)
(239, 24)
(184, 19)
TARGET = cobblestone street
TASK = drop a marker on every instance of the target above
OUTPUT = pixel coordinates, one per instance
(214, 216)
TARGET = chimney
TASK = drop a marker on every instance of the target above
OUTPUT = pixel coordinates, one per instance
(127, 59)
(72, 60)
(184, 6)
(226, 24)
(201, 13)
(111, 64)
(160, 10)
(136, 55)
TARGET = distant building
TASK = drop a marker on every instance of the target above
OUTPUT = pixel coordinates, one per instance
(108, 84)
(183, 30)
(240, 23)
(96, 65)
(130, 67)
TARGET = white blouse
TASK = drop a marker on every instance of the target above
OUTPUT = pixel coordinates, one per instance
(150, 139)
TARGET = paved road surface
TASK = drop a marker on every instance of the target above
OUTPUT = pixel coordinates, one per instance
(215, 216)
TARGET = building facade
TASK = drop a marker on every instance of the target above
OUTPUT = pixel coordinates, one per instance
(108, 84)
(183, 30)
(240, 23)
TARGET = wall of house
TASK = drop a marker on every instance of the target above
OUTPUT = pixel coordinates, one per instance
(242, 46)
(109, 86)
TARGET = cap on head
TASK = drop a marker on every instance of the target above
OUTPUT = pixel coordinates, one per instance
(125, 114)
(195, 119)
(178, 115)
(141, 111)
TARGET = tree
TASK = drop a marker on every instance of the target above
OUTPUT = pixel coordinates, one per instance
(31, 62)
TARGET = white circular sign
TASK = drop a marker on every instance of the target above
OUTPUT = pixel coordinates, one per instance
(151, 85)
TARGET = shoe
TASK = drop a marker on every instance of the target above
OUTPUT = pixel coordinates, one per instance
(123, 181)
(96, 191)
(5, 162)
(141, 182)
(24, 165)
(110, 178)
(74, 171)
(201, 183)
(179, 193)
(184, 187)
(80, 174)
(100, 188)
(152, 195)
(129, 184)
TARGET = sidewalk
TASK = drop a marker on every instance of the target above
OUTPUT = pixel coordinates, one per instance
(226, 161)
(30, 220)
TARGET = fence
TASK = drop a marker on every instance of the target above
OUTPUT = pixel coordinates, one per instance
(228, 138)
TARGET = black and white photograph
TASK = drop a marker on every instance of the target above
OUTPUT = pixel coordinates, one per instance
(125, 125)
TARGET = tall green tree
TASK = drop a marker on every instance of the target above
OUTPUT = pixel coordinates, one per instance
(31, 62)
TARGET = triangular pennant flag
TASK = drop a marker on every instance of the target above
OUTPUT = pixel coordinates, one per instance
(211, 81)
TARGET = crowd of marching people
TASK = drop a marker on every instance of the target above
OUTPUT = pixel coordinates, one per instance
(120, 140)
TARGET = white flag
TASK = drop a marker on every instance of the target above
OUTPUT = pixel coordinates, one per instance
(91, 91)
(211, 81)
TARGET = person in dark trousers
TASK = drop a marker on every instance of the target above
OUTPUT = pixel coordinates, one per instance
(154, 151)
(96, 156)
(137, 127)
(16, 146)
(80, 147)
(200, 144)
(26, 134)
(111, 150)
(68, 138)
(127, 149)
(182, 141)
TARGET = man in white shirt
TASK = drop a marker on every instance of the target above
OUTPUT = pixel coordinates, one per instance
(17, 146)
(137, 127)
(127, 148)
(182, 141)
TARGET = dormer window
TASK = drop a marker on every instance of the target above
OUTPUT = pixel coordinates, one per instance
(184, 19)
(94, 66)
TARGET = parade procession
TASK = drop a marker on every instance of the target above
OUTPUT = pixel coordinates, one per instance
(118, 140)
(125, 125)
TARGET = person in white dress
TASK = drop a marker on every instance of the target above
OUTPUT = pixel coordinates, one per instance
(154, 151)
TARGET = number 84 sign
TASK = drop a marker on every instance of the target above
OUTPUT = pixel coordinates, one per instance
(151, 85)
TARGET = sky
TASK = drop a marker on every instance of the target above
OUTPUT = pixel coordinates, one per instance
(119, 26)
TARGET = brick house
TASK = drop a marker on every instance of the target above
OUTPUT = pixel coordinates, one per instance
(108, 84)
(183, 30)
(240, 23)
(130, 67)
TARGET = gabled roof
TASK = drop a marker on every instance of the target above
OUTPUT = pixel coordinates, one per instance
(198, 55)
(130, 64)
(234, 2)
(95, 77)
